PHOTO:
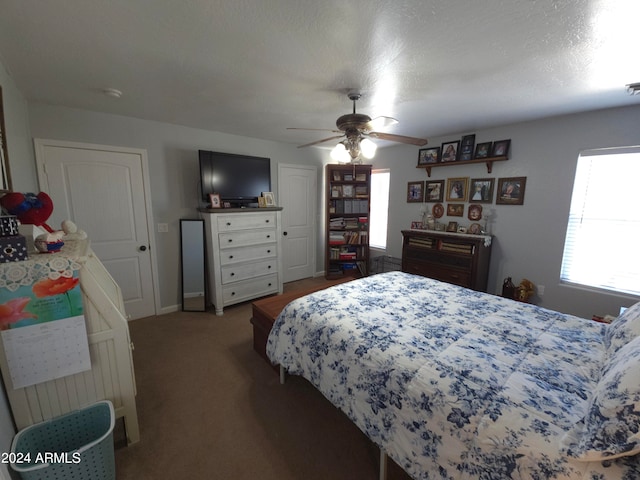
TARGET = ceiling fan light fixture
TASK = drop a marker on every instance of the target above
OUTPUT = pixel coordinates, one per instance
(368, 148)
(340, 154)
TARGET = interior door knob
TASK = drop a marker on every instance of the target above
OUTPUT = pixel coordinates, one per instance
(143, 248)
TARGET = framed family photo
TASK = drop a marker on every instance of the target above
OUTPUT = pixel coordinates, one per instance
(457, 189)
(483, 150)
(214, 200)
(450, 151)
(455, 209)
(481, 190)
(434, 191)
(269, 199)
(501, 148)
(427, 156)
(466, 147)
(511, 190)
(415, 192)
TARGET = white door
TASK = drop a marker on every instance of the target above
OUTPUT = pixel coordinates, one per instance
(297, 189)
(104, 191)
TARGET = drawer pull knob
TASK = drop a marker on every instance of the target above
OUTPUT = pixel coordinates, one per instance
(230, 257)
(232, 274)
(228, 224)
(267, 220)
(230, 240)
(269, 284)
(268, 236)
(268, 251)
(269, 266)
(233, 293)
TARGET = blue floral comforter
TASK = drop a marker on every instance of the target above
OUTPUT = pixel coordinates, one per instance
(451, 383)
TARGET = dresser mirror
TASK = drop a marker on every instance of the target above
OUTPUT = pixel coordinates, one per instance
(193, 265)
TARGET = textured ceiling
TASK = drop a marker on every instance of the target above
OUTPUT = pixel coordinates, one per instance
(255, 67)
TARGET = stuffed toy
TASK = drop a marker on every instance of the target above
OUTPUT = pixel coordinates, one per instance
(31, 209)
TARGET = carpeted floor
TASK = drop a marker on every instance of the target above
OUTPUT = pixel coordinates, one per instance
(210, 407)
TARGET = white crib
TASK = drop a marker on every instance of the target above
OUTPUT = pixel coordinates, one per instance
(111, 376)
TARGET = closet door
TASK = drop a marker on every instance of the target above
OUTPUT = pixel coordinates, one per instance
(103, 190)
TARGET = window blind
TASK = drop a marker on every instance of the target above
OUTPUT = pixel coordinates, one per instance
(603, 229)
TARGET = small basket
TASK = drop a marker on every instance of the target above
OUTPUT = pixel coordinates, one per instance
(77, 445)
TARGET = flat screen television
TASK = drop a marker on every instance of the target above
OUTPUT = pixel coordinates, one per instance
(239, 179)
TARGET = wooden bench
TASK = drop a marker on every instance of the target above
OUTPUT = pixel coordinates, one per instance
(266, 310)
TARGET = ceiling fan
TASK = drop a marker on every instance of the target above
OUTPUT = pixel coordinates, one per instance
(356, 128)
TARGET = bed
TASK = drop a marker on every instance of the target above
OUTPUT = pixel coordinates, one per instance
(457, 384)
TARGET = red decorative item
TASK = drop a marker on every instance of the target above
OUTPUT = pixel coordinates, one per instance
(31, 209)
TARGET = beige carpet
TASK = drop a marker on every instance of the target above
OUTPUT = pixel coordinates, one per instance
(210, 407)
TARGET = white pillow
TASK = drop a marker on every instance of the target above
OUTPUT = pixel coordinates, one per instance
(611, 427)
(623, 329)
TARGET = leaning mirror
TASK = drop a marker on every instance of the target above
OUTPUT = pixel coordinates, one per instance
(5, 173)
(193, 265)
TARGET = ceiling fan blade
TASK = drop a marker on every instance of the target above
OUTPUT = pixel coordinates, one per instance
(314, 129)
(399, 138)
(381, 122)
(320, 141)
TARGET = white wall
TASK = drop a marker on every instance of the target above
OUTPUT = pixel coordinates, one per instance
(20, 154)
(173, 165)
(529, 239)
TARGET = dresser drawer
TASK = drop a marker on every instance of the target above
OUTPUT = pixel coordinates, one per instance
(230, 256)
(247, 289)
(438, 272)
(243, 271)
(248, 237)
(247, 221)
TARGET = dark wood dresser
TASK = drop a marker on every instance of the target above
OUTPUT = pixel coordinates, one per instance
(458, 258)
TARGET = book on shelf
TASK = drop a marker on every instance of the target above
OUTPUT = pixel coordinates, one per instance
(362, 191)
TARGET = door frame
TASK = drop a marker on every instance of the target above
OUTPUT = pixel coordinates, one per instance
(314, 219)
(40, 143)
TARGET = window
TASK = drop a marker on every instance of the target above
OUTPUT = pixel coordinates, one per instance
(604, 222)
(379, 208)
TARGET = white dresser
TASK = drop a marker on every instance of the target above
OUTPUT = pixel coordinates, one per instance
(244, 254)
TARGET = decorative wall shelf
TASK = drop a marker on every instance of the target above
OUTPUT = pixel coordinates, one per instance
(489, 161)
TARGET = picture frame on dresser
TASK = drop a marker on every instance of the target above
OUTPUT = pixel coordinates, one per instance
(269, 199)
(214, 200)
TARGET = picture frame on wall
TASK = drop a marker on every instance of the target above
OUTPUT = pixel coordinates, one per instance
(457, 189)
(455, 209)
(483, 150)
(428, 156)
(434, 191)
(449, 152)
(415, 192)
(501, 148)
(452, 226)
(466, 147)
(511, 190)
(474, 213)
(481, 190)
